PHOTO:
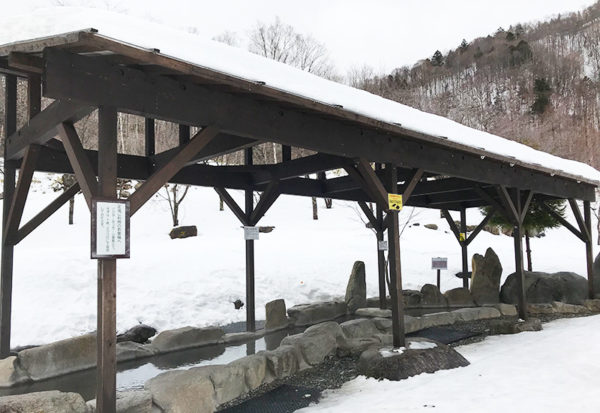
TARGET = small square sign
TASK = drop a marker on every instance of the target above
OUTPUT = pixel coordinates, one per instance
(110, 228)
(382, 245)
(439, 263)
(395, 202)
(251, 233)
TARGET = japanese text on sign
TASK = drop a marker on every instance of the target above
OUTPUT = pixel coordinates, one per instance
(395, 202)
(439, 263)
(111, 235)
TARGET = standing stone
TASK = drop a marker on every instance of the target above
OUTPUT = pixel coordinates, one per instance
(459, 297)
(276, 315)
(485, 281)
(356, 292)
(431, 296)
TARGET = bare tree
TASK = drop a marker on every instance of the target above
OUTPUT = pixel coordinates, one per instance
(175, 195)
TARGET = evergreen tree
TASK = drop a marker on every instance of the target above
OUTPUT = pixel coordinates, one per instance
(437, 58)
(542, 91)
(536, 221)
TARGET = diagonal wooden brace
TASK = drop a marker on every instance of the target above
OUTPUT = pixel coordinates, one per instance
(20, 196)
(268, 197)
(235, 208)
(159, 178)
(84, 172)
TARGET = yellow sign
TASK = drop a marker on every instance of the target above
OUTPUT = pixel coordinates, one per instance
(462, 237)
(395, 202)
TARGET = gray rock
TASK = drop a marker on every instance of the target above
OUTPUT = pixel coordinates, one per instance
(412, 298)
(537, 309)
(255, 368)
(514, 326)
(563, 308)
(276, 317)
(309, 314)
(231, 338)
(182, 391)
(129, 350)
(229, 381)
(438, 319)
(485, 278)
(507, 310)
(46, 401)
(315, 345)
(356, 291)
(187, 337)
(592, 305)
(184, 232)
(11, 372)
(431, 226)
(283, 361)
(477, 313)
(412, 324)
(373, 312)
(459, 297)
(138, 334)
(60, 357)
(540, 287)
(360, 328)
(432, 297)
(133, 401)
(384, 325)
(382, 363)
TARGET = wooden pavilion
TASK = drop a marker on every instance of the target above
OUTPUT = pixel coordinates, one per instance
(84, 71)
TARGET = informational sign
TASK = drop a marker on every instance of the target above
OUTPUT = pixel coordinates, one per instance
(382, 245)
(251, 233)
(395, 202)
(439, 263)
(462, 237)
(110, 228)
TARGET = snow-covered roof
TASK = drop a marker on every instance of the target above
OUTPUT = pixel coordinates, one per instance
(240, 64)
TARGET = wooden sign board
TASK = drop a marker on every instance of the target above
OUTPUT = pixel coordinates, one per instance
(394, 202)
(251, 233)
(110, 228)
(439, 263)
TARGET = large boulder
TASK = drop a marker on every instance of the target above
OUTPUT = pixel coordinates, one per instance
(420, 356)
(373, 312)
(255, 368)
(359, 328)
(431, 296)
(187, 337)
(182, 391)
(184, 232)
(485, 279)
(283, 361)
(46, 401)
(132, 401)
(60, 357)
(541, 287)
(356, 291)
(309, 314)
(317, 342)
(276, 317)
(412, 298)
(11, 372)
(459, 297)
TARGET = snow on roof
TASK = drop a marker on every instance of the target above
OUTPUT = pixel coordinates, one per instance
(242, 64)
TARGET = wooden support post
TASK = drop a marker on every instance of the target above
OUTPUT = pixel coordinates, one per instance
(6, 276)
(149, 135)
(517, 234)
(184, 134)
(463, 247)
(249, 206)
(380, 253)
(106, 334)
(395, 267)
(286, 153)
(34, 95)
(589, 255)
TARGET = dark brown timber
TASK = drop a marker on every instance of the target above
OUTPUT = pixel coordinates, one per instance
(249, 206)
(587, 213)
(6, 276)
(106, 336)
(463, 247)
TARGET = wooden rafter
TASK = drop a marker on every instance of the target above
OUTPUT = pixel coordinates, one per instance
(481, 225)
(563, 221)
(579, 218)
(369, 214)
(268, 197)
(235, 208)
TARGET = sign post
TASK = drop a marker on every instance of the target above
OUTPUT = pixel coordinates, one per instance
(439, 263)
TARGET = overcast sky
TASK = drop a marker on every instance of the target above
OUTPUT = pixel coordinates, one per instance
(383, 34)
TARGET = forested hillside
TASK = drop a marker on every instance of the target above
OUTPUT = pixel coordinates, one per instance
(537, 83)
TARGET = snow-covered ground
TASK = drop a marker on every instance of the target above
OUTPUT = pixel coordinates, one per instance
(172, 283)
(554, 370)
